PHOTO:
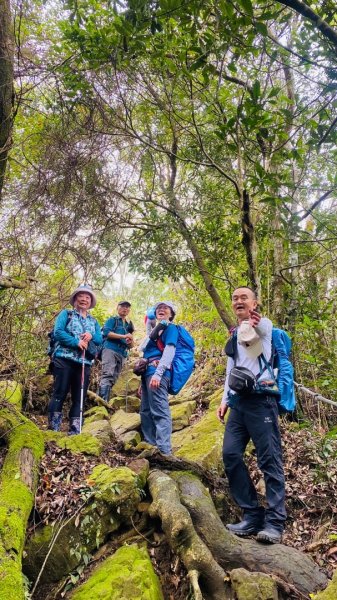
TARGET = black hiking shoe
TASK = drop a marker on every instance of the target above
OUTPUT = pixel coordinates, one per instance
(269, 535)
(245, 527)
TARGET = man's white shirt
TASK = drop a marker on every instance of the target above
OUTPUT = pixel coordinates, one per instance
(264, 330)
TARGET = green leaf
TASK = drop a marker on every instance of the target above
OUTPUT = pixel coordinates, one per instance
(247, 6)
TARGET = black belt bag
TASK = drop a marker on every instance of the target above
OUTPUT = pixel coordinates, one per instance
(241, 380)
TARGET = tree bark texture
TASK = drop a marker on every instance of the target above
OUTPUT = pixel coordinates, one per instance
(183, 539)
(6, 85)
(249, 242)
(293, 570)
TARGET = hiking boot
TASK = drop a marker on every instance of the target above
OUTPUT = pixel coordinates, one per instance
(104, 392)
(74, 426)
(269, 535)
(54, 421)
(245, 527)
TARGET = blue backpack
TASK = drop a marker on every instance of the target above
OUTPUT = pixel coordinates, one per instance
(183, 361)
(281, 361)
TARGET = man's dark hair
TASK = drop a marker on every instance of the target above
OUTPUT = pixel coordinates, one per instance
(246, 287)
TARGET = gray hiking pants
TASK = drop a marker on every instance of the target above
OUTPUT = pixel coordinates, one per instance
(112, 364)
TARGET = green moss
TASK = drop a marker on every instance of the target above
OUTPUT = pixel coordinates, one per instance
(253, 586)
(17, 491)
(332, 433)
(181, 414)
(79, 444)
(126, 575)
(115, 497)
(97, 413)
(12, 392)
(330, 593)
(202, 442)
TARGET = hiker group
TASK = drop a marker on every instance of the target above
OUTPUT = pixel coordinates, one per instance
(258, 385)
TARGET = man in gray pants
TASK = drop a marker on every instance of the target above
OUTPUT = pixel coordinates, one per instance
(117, 332)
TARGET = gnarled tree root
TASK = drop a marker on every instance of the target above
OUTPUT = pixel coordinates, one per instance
(207, 577)
(285, 564)
(18, 482)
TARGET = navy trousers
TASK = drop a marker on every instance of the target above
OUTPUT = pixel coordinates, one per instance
(256, 418)
(67, 376)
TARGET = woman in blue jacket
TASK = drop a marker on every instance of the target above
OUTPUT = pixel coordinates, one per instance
(155, 412)
(73, 332)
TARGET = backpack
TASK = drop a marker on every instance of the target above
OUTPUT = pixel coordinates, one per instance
(183, 361)
(52, 342)
(280, 363)
(281, 360)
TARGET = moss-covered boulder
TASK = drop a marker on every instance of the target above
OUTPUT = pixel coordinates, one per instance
(12, 392)
(121, 422)
(127, 575)
(330, 593)
(112, 499)
(97, 413)
(100, 430)
(202, 442)
(181, 414)
(253, 586)
(84, 443)
(128, 403)
(127, 384)
(130, 439)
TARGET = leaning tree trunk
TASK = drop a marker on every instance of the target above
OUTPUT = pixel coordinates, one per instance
(195, 531)
(6, 85)
(18, 483)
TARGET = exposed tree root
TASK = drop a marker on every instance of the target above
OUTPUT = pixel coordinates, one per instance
(296, 570)
(203, 570)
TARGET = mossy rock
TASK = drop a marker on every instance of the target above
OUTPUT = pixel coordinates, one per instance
(131, 403)
(253, 586)
(141, 467)
(12, 392)
(127, 384)
(114, 499)
(97, 413)
(100, 430)
(127, 575)
(202, 442)
(330, 593)
(84, 443)
(130, 439)
(121, 422)
(181, 414)
(214, 398)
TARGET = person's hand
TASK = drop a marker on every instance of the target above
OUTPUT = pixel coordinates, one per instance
(82, 344)
(128, 337)
(86, 337)
(221, 411)
(254, 318)
(154, 383)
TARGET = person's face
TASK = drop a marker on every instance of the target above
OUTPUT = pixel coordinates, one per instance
(123, 310)
(82, 301)
(163, 312)
(243, 301)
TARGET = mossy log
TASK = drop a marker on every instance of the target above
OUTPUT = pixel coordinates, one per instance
(293, 570)
(184, 540)
(18, 483)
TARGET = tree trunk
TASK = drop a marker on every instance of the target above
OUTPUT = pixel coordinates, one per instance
(18, 483)
(6, 85)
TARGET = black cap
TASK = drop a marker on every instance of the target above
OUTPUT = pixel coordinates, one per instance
(124, 303)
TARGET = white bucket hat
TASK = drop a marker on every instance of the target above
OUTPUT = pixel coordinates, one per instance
(167, 303)
(85, 288)
(249, 339)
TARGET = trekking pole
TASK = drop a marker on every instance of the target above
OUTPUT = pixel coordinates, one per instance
(82, 390)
